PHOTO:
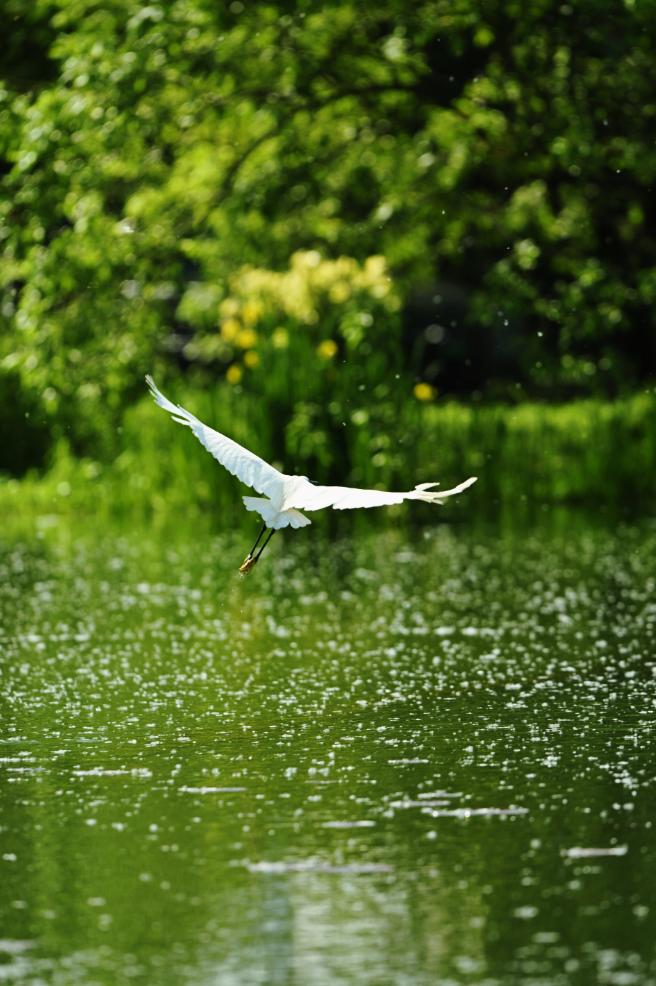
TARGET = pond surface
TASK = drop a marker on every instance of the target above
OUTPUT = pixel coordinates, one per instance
(393, 758)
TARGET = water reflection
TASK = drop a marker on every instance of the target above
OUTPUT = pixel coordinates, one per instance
(412, 762)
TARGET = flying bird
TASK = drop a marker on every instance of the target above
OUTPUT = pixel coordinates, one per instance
(284, 497)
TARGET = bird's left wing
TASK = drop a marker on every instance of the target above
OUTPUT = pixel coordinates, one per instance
(304, 495)
(245, 465)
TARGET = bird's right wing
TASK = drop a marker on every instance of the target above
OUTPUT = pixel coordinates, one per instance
(245, 465)
(303, 495)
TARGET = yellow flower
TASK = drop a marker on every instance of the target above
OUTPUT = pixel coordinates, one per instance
(327, 349)
(424, 392)
(340, 292)
(246, 338)
(229, 329)
(251, 358)
(229, 308)
(233, 374)
(280, 338)
(306, 258)
(251, 312)
(375, 267)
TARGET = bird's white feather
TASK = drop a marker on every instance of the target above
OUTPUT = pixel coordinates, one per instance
(289, 494)
(245, 465)
(271, 516)
(306, 496)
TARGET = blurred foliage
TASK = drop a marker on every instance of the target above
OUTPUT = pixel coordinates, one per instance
(25, 437)
(590, 451)
(162, 162)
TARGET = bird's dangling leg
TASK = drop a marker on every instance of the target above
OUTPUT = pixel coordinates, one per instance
(249, 560)
(257, 541)
(271, 533)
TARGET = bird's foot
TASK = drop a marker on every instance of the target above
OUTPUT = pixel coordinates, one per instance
(247, 564)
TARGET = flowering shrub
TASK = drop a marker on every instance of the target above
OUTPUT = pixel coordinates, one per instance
(319, 344)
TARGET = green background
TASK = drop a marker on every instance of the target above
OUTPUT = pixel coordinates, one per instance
(360, 237)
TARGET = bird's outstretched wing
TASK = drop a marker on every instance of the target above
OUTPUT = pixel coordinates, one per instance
(246, 466)
(306, 496)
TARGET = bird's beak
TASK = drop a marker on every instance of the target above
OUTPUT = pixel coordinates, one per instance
(247, 564)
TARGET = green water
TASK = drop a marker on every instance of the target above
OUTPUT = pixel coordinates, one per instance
(395, 757)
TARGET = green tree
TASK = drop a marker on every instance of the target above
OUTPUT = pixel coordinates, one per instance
(502, 147)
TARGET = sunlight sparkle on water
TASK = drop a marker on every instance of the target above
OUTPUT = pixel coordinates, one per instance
(401, 762)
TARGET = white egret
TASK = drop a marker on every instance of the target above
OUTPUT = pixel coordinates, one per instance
(283, 497)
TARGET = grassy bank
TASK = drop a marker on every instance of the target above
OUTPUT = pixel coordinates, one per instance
(585, 451)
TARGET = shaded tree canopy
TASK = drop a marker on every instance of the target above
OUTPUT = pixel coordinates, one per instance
(495, 153)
